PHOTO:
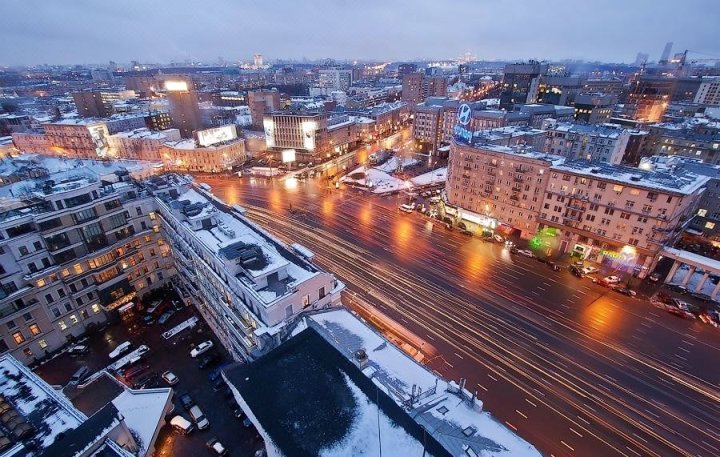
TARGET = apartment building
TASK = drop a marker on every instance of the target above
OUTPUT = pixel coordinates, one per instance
(709, 92)
(78, 138)
(649, 97)
(616, 215)
(497, 188)
(141, 144)
(245, 282)
(262, 102)
(594, 108)
(305, 131)
(597, 143)
(73, 246)
(694, 138)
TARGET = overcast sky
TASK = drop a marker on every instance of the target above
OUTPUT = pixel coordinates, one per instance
(97, 31)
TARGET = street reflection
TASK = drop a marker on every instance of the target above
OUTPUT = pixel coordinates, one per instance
(600, 317)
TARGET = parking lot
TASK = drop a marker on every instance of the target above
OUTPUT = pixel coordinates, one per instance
(173, 355)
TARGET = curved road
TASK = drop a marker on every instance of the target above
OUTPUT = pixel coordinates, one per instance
(574, 368)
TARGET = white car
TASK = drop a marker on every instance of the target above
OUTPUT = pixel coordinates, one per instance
(120, 349)
(589, 270)
(407, 208)
(170, 378)
(611, 280)
(215, 447)
(201, 348)
(526, 253)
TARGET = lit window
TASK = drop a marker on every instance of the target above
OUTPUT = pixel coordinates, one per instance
(66, 272)
(702, 212)
(710, 225)
(43, 344)
(62, 325)
(96, 308)
(18, 337)
(40, 282)
(151, 215)
(617, 188)
(35, 330)
(156, 228)
(78, 268)
(74, 319)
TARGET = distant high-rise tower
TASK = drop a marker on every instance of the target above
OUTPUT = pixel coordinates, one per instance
(258, 60)
(184, 107)
(666, 53)
(641, 59)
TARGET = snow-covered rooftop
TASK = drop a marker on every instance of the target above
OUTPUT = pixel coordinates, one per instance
(143, 412)
(522, 151)
(396, 373)
(601, 130)
(43, 408)
(679, 181)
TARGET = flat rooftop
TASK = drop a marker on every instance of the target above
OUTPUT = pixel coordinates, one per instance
(679, 181)
(519, 151)
(311, 400)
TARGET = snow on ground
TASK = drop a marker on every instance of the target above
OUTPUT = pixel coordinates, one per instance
(143, 411)
(380, 181)
(392, 164)
(433, 177)
(363, 437)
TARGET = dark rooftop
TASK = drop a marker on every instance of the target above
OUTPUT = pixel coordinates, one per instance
(73, 441)
(299, 394)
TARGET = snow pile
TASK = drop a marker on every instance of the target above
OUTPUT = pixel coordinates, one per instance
(378, 180)
(433, 177)
(363, 438)
(394, 163)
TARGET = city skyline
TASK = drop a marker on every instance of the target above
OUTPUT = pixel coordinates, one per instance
(48, 33)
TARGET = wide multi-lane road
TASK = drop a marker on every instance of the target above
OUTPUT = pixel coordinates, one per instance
(574, 368)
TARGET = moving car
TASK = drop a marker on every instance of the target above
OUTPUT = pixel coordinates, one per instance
(77, 350)
(526, 253)
(120, 349)
(498, 238)
(408, 208)
(680, 308)
(201, 348)
(576, 271)
(610, 280)
(215, 447)
(170, 378)
(588, 270)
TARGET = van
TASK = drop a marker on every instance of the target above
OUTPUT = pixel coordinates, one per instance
(121, 349)
(199, 417)
(182, 425)
(80, 375)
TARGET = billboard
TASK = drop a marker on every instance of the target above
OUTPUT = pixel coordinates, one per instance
(308, 130)
(288, 155)
(269, 127)
(99, 134)
(216, 135)
(176, 86)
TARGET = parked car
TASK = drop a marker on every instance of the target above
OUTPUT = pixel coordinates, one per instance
(655, 277)
(165, 316)
(209, 360)
(215, 447)
(199, 418)
(201, 348)
(153, 307)
(217, 372)
(78, 350)
(80, 375)
(186, 400)
(182, 425)
(120, 349)
(553, 266)
(170, 378)
(247, 422)
(588, 270)
(576, 271)
(526, 253)
(149, 319)
(610, 280)
(498, 238)
(625, 291)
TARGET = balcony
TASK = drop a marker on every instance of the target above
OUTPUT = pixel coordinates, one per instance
(515, 197)
(518, 179)
(576, 206)
(520, 170)
(574, 218)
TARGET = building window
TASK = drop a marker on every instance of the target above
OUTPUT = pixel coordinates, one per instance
(55, 311)
(49, 298)
(702, 212)
(95, 308)
(78, 268)
(43, 344)
(18, 337)
(710, 225)
(28, 317)
(74, 319)
(27, 352)
(62, 325)
(35, 329)
(3, 346)
(40, 283)
(23, 251)
(68, 307)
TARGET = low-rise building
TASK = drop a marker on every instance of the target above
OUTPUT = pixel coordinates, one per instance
(594, 108)
(188, 155)
(141, 144)
(246, 283)
(694, 138)
(596, 143)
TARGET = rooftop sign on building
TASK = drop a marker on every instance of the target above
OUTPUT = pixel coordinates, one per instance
(462, 132)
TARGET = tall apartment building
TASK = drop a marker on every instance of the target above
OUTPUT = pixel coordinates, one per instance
(335, 79)
(500, 188)
(649, 97)
(597, 143)
(262, 102)
(96, 103)
(302, 130)
(184, 107)
(520, 84)
(709, 92)
(616, 215)
(72, 249)
(412, 88)
(245, 282)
